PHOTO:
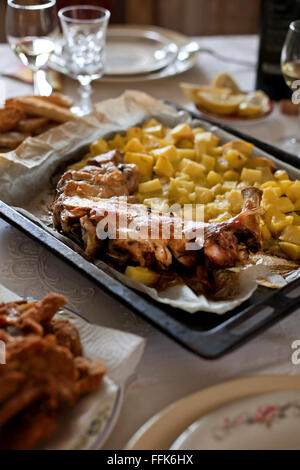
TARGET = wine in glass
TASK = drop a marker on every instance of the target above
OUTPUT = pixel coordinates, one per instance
(31, 29)
(290, 67)
(84, 28)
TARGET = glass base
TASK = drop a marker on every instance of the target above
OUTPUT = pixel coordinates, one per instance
(41, 86)
(84, 105)
(290, 144)
(81, 111)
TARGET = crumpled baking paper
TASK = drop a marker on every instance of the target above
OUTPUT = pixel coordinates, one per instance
(26, 172)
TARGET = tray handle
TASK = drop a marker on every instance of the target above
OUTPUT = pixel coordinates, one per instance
(278, 305)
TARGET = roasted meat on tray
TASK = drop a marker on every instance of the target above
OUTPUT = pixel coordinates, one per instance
(44, 371)
(103, 191)
(104, 176)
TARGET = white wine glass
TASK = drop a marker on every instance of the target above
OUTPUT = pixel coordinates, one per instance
(31, 30)
(84, 28)
(290, 66)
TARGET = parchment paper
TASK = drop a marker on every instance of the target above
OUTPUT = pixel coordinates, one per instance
(25, 173)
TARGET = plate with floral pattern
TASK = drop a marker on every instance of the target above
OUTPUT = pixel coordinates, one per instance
(264, 422)
(274, 409)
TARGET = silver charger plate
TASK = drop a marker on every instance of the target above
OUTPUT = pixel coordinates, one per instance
(137, 51)
(182, 61)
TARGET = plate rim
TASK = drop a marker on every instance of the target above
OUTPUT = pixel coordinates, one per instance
(178, 38)
(149, 34)
(155, 434)
(223, 409)
(153, 28)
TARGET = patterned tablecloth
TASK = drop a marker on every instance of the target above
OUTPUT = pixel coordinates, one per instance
(167, 372)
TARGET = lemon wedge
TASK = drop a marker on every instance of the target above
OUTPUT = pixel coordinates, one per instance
(225, 80)
(190, 90)
(249, 110)
(254, 104)
(219, 103)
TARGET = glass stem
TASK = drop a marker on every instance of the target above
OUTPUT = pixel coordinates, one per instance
(36, 88)
(41, 86)
(85, 105)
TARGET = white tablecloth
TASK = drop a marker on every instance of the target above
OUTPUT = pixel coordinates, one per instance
(167, 371)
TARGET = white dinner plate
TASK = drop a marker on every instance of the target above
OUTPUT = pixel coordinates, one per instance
(90, 422)
(134, 51)
(181, 62)
(264, 422)
(162, 430)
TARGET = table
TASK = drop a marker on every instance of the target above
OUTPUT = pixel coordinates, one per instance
(167, 372)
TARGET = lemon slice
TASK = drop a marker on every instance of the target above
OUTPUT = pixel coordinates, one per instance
(249, 110)
(190, 90)
(225, 80)
(254, 104)
(219, 103)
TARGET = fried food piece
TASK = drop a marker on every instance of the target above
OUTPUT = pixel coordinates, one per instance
(56, 98)
(12, 140)
(32, 124)
(47, 127)
(66, 335)
(19, 401)
(31, 317)
(16, 126)
(38, 107)
(44, 370)
(59, 99)
(11, 384)
(44, 310)
(23, 432)
(90, 373)
(10, 117)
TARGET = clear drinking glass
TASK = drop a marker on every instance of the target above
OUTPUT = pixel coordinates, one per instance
(84, 28)
(31, 29)
(290, 66)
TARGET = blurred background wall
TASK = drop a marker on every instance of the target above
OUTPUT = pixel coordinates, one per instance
(191, 17)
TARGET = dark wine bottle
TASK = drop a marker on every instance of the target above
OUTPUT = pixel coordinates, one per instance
(276, 15)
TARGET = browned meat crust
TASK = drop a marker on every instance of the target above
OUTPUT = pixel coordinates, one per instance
(224, 243)
(105, 176)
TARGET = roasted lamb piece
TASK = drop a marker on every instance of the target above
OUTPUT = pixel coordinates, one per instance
(151, 238)
(104, 176)
(44, 371)
(229, 242)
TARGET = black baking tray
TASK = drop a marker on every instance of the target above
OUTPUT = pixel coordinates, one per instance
(206, 334)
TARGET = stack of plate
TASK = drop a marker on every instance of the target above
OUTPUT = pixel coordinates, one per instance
(135, 53)
(257, 413)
